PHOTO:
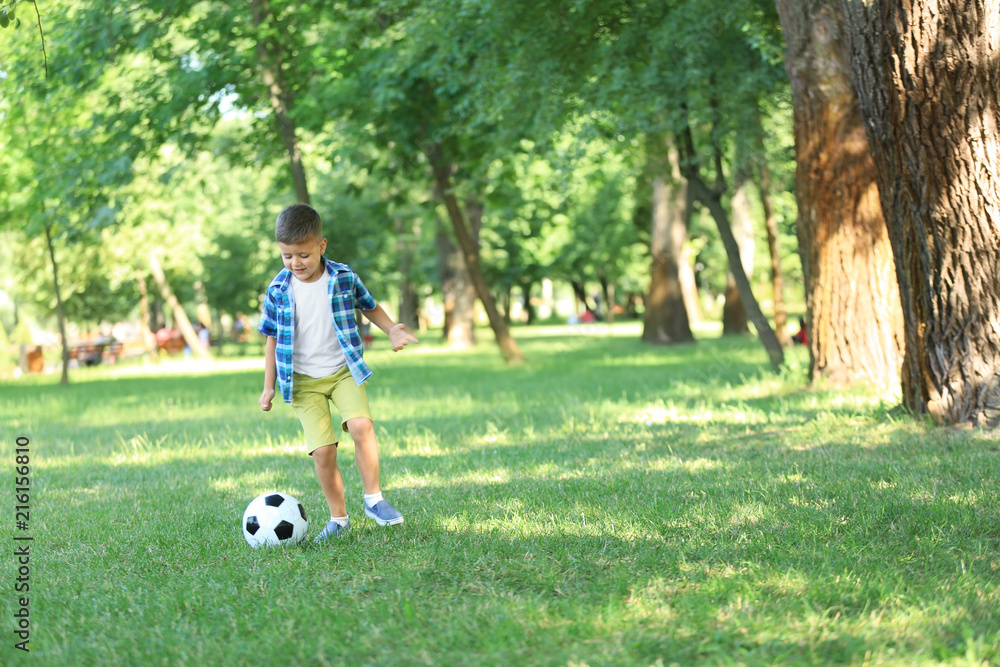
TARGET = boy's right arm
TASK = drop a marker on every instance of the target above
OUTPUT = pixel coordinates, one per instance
(270, 374)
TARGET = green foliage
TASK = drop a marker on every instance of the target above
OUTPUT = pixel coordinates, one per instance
(540, 107)
(636, 505)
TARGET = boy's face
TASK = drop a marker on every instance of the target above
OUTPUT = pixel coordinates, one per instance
(304, 259)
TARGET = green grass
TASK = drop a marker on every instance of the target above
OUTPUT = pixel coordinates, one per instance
(607, 504)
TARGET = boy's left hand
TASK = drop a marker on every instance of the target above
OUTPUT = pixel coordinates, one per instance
(400, 337)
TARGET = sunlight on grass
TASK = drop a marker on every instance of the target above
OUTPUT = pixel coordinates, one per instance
(290, 448)
(609, 503)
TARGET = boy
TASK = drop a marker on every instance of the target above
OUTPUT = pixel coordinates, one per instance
(314, 351)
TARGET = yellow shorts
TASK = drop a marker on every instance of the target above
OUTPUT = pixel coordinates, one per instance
(311, 398)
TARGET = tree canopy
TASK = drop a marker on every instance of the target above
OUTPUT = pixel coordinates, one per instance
(532, 140)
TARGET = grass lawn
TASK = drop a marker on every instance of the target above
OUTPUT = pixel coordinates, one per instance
(608, 503)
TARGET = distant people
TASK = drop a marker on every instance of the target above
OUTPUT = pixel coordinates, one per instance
(204, 335)
(801, 337)
(36, 360)
(239, 328)
(163, 337)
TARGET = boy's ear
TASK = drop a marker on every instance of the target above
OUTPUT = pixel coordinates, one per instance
(322, 246)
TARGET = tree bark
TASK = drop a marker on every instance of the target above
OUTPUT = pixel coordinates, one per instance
(269, 56)
(666, 317)
(442, 177)
(180, 317)
(853, 314)
(60, 310)
(927, 76)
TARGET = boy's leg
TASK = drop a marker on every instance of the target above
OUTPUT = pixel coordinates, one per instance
(330, 479)
(352, 402)
(362, 431)
(311, 402)
(377, 508)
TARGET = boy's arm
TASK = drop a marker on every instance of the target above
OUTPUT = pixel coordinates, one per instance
(398, 335)
(270, 374)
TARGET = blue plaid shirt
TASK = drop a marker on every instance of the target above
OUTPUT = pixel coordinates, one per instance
(277, 320)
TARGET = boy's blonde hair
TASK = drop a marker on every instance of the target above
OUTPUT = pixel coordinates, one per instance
(298, 223)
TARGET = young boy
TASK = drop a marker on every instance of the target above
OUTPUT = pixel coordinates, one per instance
(314, 351)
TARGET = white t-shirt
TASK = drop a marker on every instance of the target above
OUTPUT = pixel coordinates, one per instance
(316, 352)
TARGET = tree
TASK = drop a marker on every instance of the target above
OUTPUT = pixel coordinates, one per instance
(927, 75)
(635, 62)
(61, 162)
(711, 198)
(760, 162)
(853, 314)
(410, 95)
(666, 316)
(442, 169)
(276, 49)
(735, 321)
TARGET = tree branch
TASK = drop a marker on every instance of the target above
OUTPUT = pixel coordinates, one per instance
(41, 33)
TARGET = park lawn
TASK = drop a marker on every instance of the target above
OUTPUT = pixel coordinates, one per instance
(609, 503)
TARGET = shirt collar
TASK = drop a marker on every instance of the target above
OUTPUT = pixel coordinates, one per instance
(332, 268)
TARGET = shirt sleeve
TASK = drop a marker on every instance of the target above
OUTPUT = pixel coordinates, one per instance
(268, 316)
(362, 297)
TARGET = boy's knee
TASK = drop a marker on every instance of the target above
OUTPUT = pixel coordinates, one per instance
(360, 424)
(325, 453)
(360, 427)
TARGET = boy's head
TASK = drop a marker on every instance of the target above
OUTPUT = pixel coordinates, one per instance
(300, 238)
(298, 223)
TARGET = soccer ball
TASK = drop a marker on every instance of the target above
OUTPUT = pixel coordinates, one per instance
(274, 518)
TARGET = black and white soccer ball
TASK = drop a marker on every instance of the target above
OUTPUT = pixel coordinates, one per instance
(274, 518)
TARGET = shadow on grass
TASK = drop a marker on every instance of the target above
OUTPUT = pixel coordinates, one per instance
(531, 506)
(661, 547)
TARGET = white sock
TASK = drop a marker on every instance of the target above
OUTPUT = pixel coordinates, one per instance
(341, 520)
(373, 498)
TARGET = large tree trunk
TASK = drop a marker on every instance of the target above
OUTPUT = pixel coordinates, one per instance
(269, 56)
(853, 315)
(470, 251)
(180, 317)
(666, 317)
(60, 311)
(927, 75)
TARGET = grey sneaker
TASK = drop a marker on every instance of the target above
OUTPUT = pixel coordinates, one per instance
(332, 529)
(383, 513)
